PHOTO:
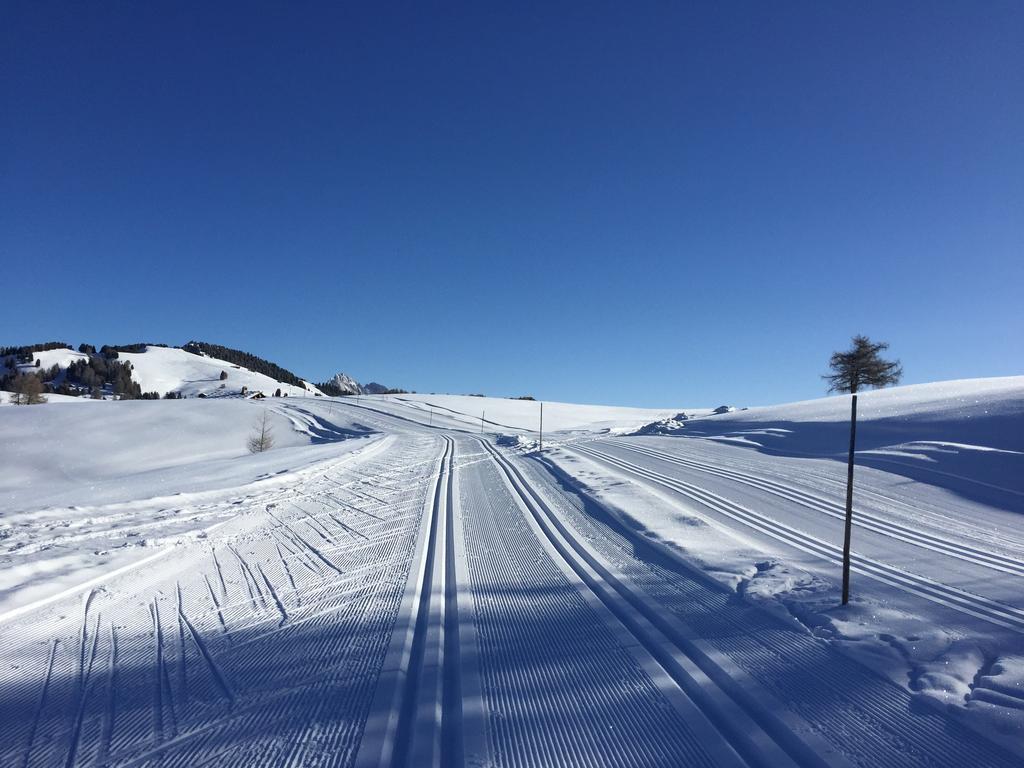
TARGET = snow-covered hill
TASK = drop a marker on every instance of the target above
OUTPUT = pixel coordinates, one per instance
(51, 357)
(167, 369)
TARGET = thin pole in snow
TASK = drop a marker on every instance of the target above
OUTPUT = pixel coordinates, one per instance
(482, 414)
(431, 418)
(541, 427)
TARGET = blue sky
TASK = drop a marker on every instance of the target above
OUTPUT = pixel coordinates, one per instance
(652, 204)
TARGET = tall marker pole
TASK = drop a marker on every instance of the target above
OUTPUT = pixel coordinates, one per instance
(482, 414)
(849, 499)
(541, 427)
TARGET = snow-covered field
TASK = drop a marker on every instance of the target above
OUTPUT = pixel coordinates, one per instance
(399, 581)
(497, 415)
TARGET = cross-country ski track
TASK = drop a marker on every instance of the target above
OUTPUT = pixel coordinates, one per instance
(431, 599)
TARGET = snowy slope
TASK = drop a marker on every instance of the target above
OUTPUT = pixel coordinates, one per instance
(51, 357)
(970, 428)
(165, 369)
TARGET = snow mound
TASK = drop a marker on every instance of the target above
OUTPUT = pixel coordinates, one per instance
(669, 426)
(518, 443)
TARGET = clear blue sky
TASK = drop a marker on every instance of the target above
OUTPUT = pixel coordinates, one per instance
(650, 204)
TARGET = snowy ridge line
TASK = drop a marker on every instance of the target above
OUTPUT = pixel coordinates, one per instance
(761, 732)
(408, 724)
(861, 519)
(942, 594)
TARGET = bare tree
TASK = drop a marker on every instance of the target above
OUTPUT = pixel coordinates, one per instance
(27, 389)
(853, 370)
(262, 437)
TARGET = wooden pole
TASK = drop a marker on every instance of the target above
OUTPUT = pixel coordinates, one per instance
(482, 414)
(849, 501)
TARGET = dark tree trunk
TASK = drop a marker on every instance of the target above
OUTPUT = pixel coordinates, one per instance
(849, 501)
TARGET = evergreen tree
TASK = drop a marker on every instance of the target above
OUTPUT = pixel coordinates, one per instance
(859, 367)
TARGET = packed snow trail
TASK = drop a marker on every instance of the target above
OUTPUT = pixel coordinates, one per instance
(834, 508)
(262, 647)
(869, 720)
(951, 597)
(548, 645)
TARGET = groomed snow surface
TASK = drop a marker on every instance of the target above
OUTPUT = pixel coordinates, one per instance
(399, 581)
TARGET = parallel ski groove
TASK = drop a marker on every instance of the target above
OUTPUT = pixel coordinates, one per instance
(951, 597)
(872, 722)
(863, 519)
(521, 737)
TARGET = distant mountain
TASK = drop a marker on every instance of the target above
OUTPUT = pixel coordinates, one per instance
(342, 384)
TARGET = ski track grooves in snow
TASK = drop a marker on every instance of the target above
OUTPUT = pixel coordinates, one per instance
(862, 519)
(289, 684)
(753, 731)
(415, 719)
(942, 594)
